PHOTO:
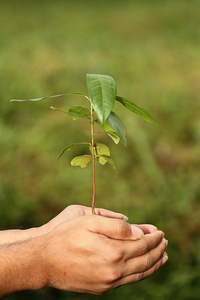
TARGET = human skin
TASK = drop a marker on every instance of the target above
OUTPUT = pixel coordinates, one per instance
(86, 254)
(70, 212)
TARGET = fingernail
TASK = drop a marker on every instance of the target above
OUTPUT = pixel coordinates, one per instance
(165, 241)
(137, 233)
(125, 218)
(165, 258)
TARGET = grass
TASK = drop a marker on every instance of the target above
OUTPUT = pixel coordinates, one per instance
(151, 48)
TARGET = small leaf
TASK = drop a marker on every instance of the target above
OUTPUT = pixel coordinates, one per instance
(70, 147)
(79, 112)
(110, 131)
(102, 149)
(54, 108)
(99, 151)
(48, 97)
(114, 137)
(143, 113)
(108, 159)
(81, 161)
(102, 93)
(118, 127)
(75, 111)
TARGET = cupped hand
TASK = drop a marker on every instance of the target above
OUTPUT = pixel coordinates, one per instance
(74, 211)
(93, 254)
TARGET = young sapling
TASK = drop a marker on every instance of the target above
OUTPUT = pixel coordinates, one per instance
(102, 96)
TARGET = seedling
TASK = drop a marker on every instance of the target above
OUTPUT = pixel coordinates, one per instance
(101, 99)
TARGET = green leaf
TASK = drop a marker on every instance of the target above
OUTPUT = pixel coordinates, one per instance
(79, 112)
(71, 146)
(75, 111)
(81, 161)
(99, 150)
(113, 136)
(143, 113)
(48, 97)
(54, 108)
(110, 131)
(118, 127)
(102, 93)
(108, 159)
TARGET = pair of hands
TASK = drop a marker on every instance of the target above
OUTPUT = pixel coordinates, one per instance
(77, 251)
(93, 254)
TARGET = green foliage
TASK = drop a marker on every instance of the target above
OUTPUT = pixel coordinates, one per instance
(71, 146)
(102, 92)
(102, 96)
(79, 112)
(136, 109)
(76, 112)
(99, 150)
(110, 131)
(118, 127)
(81, 161)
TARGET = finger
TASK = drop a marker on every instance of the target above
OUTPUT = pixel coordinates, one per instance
(147, 228)
(104, 213)
(110, 214)
(145, 262)
(139, 276)
(149, 242)
(115, 228)
(141, 246)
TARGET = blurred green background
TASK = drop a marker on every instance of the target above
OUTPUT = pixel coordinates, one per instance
(152, 49)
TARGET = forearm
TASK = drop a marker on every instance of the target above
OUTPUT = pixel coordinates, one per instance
(21, 267)
(15, 236)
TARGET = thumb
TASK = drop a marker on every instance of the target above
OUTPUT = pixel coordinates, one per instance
(115, 228)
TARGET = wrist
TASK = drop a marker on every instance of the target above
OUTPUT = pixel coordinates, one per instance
(16, 236)
(37, 231)
(21, 266)
(35, 262)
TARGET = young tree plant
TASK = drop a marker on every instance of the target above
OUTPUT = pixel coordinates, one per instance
(102, 92)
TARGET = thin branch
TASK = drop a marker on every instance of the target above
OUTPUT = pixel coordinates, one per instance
(93, 158)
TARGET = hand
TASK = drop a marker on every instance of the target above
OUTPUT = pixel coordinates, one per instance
(94, 254)
(74, 211)
(70, 212)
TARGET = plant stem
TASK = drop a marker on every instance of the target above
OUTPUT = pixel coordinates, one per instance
(93, 157)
